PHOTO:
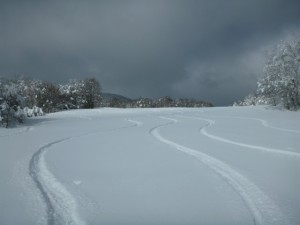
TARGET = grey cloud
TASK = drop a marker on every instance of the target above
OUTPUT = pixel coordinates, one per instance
(145, 48)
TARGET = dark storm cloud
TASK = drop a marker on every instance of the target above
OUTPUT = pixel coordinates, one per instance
(203, 49)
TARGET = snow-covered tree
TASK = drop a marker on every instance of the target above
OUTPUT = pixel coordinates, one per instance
(81, 93)
(281, 81)
(252, 99)
(34, 111)
(31, 91)
(11, 103)
(165, 101)
(71, 93)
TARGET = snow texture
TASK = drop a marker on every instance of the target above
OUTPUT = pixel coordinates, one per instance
(235, 165)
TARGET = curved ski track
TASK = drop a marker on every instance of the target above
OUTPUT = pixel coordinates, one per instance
(136, 123)
(262, 121)
(228, 141)
(263, 210)
(61, 206)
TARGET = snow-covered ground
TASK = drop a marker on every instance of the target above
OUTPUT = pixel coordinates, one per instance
(152, 166)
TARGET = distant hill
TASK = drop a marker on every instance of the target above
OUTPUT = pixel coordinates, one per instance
(114, 100)
(110, 96)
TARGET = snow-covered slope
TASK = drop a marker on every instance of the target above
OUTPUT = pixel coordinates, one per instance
(152, 166)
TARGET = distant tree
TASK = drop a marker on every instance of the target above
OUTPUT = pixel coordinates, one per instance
(115, 102)
(166, 101)
(48, 97)
(91, 93)
(11, 103)
(72, 94)
(145, 103)
(31, 92)
(29, 89)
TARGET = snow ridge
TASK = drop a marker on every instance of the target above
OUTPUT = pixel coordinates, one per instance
(263, 210)
(61, 205)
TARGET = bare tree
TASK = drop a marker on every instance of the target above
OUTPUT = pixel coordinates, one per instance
(48, 98)
(91, 93)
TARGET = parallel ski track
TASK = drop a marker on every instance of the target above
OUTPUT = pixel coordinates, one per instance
(61, 206)
(210, 123)
(262, 208)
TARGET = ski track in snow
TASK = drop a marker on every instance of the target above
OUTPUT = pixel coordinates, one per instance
(225, 140)
(262, 208)
(61, 205)
(262, 121)
(136, 123)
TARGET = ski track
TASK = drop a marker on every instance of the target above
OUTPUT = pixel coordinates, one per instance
(136, 123)
(262, 208)
(266, 124)
(263, 122)
(61, 206)
(225, 140)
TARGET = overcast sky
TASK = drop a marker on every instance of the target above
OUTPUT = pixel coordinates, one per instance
(208, 49)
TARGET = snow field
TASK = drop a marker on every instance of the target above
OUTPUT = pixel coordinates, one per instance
(153, 166)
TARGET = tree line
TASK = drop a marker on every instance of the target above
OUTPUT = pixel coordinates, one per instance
(23, 97)
(161, 102)
(280, 83)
